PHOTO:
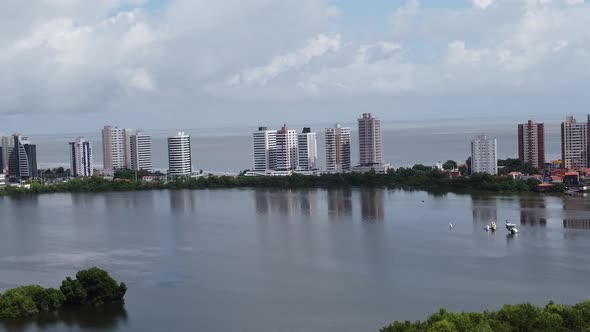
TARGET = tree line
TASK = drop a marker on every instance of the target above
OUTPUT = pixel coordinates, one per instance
(510, 318)
(92, 287)
(418, 177)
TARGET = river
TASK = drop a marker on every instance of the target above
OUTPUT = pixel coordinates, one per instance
(301, 260)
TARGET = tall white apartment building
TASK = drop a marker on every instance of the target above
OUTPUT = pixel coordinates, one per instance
(265, 142)
(337, 140)
(286, 149)
(7, 144)
(116, 148)
(484, 155)
(574, 144)
(179, 155)
(141, 152)
(81, 158)
(370, 142)
(307, 147)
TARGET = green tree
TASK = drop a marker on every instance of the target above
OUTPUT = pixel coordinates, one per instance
(443, 326)
(100, 287)
(450, 165)
(16, 303)
(73, 291)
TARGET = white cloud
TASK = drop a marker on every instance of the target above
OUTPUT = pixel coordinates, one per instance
(482, 4)
(139, 79)
(315, 47)
(83, 56)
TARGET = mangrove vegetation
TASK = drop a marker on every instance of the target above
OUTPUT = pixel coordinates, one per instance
(92, 287)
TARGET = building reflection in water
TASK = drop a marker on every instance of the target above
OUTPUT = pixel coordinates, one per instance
(340, 202)
(181, 201)
(485, 210)
(305, 203)
(576, 215)
(372, 201)
(533, 211)
(285, 202)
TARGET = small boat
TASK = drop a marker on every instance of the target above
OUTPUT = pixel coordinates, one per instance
(511, 227)
(493, 226)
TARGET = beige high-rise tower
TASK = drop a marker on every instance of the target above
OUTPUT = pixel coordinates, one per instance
(116, 148)
(370, 142)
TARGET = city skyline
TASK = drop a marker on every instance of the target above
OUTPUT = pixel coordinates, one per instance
(294, 143)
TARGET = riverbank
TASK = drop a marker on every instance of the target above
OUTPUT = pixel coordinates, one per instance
(521, 317)
(401, 178)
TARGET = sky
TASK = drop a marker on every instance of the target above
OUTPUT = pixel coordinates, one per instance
(74, 65)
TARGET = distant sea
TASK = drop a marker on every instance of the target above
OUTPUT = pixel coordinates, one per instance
(230, 149)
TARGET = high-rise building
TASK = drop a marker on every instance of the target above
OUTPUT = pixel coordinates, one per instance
(265, 142)
(81, 158)
(286, 149)
(179, 155)
(7, 146)
(22, 162)
(370, 143)
(141, 152)
(531, 144)
(307, 147)
(588, 141)
(337, 140)
(116, 147)
(484, 155)
(574, 144)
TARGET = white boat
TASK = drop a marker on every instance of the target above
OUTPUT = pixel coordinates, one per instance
(511, 227)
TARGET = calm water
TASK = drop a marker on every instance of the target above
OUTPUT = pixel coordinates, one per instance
(230, 150)
(308, 260)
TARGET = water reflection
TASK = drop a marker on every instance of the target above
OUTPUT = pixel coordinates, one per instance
(485, 209)
(372, 201)
(340, 202)
(107, 317)
(305, 202)
(576, 215)
(181, 201)
(285, 202)
(533, 211)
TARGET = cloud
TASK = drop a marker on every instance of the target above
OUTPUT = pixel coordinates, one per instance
(116, 56)
(482, 4)
(315, 47)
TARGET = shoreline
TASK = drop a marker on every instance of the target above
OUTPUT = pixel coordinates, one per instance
(403, 179)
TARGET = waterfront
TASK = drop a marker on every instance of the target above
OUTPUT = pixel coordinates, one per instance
(405, 144)
(302, 260)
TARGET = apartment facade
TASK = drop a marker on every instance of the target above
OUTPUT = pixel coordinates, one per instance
(370, 141)
(307, 149)
(337, 142)
(531, 144)
(286, 153)
(484, 155)
(179, 155)
(140, 148)
(264, 142)
(81, 164)
(7, 143)
(22, 162)
(574, 144)
(116, 148)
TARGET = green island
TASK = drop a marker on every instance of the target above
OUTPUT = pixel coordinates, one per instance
(510, 318)
(91, 287)
(416, 178)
